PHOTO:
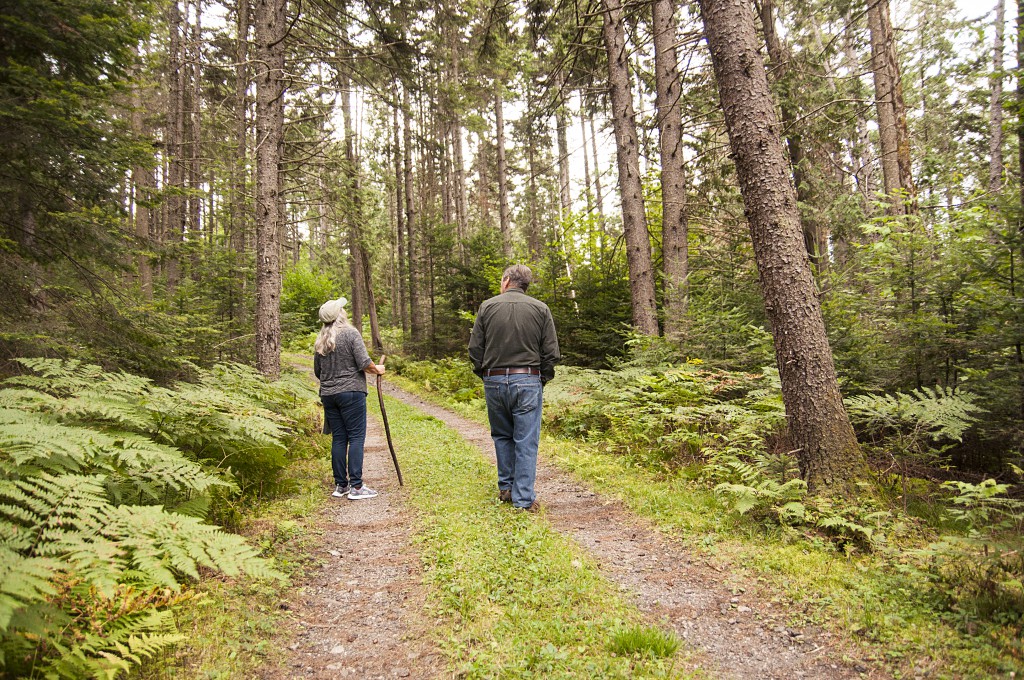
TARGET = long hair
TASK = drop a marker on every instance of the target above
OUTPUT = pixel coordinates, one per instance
(325, 339)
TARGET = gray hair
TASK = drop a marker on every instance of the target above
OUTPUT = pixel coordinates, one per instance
(518, 276)
(325, 339)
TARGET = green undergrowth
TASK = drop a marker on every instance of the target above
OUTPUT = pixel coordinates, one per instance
(512, 597)
(878, 599)
(233, 628)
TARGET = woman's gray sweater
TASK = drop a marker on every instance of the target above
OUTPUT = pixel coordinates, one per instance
(342, 370)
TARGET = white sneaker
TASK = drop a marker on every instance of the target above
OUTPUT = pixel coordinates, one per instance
(341, 491)
(362, 492)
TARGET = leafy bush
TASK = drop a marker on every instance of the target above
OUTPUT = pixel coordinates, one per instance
(104, 479)
(303, 290)
(451, 377)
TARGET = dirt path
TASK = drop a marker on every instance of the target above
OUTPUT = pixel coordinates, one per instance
(361, 614)
(738, 632)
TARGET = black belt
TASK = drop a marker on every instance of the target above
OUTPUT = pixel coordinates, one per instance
(491, 372)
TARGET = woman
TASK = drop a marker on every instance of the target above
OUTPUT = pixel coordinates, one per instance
(340, 362)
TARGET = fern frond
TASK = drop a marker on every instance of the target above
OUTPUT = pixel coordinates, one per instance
(23, 581)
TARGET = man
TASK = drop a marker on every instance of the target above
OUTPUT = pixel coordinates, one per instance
(514, 349)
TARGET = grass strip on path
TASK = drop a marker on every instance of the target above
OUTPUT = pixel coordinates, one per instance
(513, 598)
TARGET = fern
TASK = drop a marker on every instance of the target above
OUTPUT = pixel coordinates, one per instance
(102, 490)
(935, 412)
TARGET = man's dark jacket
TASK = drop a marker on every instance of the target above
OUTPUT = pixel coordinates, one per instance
(514, 330)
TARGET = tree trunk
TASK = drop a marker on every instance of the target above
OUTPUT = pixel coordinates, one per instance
(673, 168)
(174, 226)
(829, 456)
(892, 112)
(194, 126)
(1019, 345)
(634, 219)
(400, 299)
(415, 312)
(588, 191)
(239, 223)
(995, 124)
(371, 304)
(564, 191)
(143, 186)
(862, 168)
(598, 195)
(504, 218)
(352, 202)
(270, 28)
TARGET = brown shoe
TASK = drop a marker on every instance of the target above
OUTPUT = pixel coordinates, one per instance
(532, 507)
(505, 495)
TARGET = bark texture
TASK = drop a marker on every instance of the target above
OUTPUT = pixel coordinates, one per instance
(829, 456)
(634, 220)
(270, 26)
(674, 227)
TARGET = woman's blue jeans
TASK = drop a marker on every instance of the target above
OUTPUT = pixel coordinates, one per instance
(513, 409)
(346, 416)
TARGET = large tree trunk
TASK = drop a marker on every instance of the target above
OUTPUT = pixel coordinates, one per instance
(673, 168)
(270, 28)
(504, 218)
(634, 219)
(892, 112)
(995, 125)
(829, 456)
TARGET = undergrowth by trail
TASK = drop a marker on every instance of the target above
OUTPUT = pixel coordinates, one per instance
(233, 626)
(512, 597)
(874, 594)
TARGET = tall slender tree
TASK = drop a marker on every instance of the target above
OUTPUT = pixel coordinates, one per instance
(634, 220)
(995, 125)
(892, 111)
(674, 225)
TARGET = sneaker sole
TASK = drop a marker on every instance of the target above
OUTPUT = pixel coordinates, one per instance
(362, 498)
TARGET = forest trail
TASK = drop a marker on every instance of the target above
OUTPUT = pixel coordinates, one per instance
(361, 613)
(737, 631)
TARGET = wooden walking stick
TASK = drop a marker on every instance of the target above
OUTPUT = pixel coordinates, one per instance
(387, 428)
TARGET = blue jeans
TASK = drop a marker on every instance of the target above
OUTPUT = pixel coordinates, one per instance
(346, 416)
(513, 409)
